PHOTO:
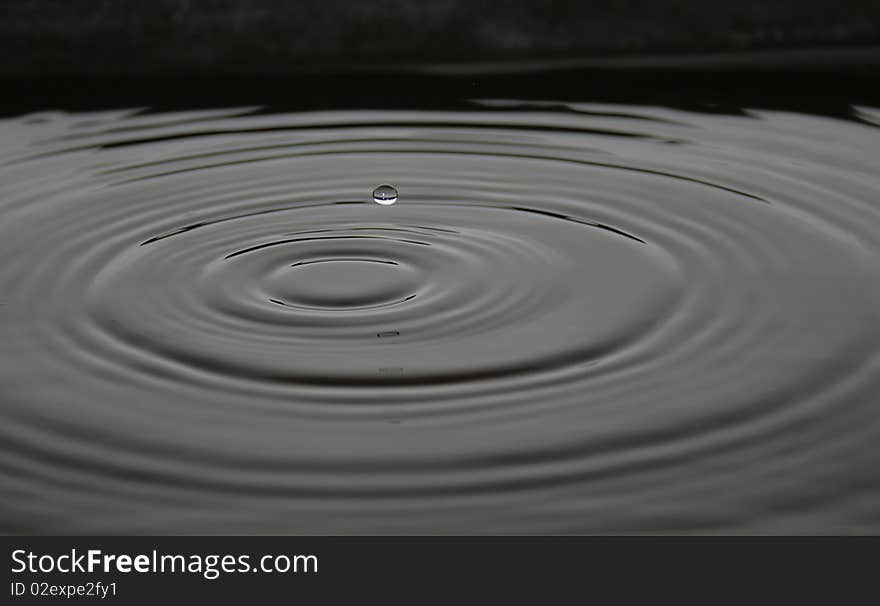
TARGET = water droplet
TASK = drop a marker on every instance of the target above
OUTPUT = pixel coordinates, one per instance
(385, 194)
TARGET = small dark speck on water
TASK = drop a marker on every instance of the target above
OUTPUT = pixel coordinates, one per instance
(388, 333)
(391, 370)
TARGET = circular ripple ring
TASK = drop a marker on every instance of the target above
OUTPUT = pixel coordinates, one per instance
(604, 321)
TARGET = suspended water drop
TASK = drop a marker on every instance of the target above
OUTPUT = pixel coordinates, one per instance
(385, 194)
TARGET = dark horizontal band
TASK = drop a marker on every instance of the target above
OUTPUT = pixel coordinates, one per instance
(276, 36)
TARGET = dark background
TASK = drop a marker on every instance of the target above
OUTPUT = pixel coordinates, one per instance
(63, 37)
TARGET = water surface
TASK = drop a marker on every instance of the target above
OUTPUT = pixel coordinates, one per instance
(577, 317)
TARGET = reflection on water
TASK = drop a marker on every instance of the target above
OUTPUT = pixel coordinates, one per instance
(579, 317)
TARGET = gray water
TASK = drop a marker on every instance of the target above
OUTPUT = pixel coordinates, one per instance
(577, 317)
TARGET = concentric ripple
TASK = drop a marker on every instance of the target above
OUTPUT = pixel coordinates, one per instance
(575, 318)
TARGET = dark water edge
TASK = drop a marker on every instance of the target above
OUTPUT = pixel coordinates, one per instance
(606, 301)
(811, 89)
